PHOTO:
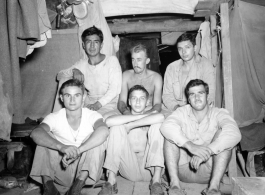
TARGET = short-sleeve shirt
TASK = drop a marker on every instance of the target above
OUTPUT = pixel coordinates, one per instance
(64, 133)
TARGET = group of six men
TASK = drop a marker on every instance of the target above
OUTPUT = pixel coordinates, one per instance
(117, 121)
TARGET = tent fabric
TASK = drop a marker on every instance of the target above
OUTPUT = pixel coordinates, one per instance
(253, 137)
(19, 24)
(39, 72)
(131, 7)
(247, 36)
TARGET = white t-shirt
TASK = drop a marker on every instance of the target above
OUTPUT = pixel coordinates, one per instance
(64, 133)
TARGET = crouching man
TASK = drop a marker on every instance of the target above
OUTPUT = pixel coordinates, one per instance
(199, 141)
(135, 145)
(70, 144)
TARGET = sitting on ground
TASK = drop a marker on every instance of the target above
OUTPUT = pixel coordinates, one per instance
(198, 141)
(71, 144)
(135, 145)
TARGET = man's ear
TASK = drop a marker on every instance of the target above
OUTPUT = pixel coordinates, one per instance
(195, 49)
(84, 96)
(129, 101)
(147, 102)
(83, 45)
(61, 98)
(101, 45)
(147, 61)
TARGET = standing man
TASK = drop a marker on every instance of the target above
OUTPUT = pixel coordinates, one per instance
(70, 144)
(140, 75)
(198, 141)
(101, 74)
(180, 72)
(135, 145)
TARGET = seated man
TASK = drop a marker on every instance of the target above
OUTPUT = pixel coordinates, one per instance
(180, 72)
(135, 145)
(198, 141)
(140, 75)
(102, 75)
(70, 144)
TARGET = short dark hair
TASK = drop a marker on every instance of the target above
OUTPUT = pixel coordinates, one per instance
(196, 82)
(70, 83)
(92, 31)
(187, 37)
(139, 47)
(138, 88)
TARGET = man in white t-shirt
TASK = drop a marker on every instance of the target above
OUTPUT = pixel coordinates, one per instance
(70, 144)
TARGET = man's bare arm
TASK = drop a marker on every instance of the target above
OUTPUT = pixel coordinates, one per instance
(148, 120)
(123, 119)
(41, 137)
(98, 137)
(122, 103)
(157, 99)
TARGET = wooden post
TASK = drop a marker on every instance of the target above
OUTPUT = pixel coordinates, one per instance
(227, 75)
(214, 51)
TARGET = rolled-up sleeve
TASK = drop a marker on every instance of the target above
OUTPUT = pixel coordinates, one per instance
(172, 129)
(115, 79)
(168, 94)
(229, 136)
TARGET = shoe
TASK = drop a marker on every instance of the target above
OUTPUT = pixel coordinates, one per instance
(176, 191)
(211, 192)
(76, 187)
(108, 189)
(156, 189)
(50, 189)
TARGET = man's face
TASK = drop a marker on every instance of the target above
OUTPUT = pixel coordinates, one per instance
(139, 61)
(92, 45)
(72, 98)
(137, 101)
(198, 98)
(186, 50)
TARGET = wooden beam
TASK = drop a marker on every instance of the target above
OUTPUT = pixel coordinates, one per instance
(227, 75)
(155, 26)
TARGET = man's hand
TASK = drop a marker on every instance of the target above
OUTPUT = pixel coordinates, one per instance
(70, 151)
(201, 151)
(67, 161)
(77, 74)
(196, 162)
(96, 106)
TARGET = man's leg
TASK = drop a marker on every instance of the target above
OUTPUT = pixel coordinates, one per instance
(155, 158)
(172, 155)
(47, 168)
(89, 169)
(120, 156)
(220, 164)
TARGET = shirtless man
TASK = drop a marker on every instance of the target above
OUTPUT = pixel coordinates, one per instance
(140, 75)
(135, 145)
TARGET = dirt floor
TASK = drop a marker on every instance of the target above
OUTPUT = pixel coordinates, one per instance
(125, 187)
